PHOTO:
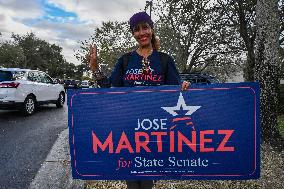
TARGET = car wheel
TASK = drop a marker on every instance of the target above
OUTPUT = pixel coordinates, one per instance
(60, 100)
(29, 106)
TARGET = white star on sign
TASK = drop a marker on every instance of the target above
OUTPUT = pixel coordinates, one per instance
(181, 104)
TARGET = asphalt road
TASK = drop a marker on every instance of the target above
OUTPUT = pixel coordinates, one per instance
(25, 143)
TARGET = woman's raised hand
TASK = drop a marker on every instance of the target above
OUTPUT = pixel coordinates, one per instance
(92, 58)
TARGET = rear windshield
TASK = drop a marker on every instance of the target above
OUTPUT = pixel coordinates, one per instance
(6, 76)
(10, 75)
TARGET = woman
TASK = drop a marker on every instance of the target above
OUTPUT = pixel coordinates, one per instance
(143, 67)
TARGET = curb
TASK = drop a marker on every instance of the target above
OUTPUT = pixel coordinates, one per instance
(55, 172)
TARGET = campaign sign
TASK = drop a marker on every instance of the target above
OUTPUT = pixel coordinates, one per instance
(138, 133)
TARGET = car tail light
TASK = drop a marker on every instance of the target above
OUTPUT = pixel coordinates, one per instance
(9, 85)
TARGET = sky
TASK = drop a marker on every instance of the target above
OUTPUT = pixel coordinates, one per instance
(63, 22)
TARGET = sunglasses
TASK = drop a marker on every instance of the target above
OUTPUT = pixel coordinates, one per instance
(145, 66)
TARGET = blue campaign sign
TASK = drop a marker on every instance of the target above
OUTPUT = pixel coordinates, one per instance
(207, 132)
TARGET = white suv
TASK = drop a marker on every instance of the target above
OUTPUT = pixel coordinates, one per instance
(25, 89)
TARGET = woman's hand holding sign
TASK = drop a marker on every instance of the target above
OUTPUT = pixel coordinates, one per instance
(185, 85)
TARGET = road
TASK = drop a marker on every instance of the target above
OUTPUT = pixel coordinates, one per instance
(25, 143)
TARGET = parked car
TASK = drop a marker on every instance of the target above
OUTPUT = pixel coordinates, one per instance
(198, 78)
(85, 84)
(25, 89)
(71, 83)
(57, 80)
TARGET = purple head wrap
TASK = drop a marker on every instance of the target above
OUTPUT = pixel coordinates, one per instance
(140, 17)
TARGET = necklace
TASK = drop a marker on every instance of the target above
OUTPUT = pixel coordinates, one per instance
(145, 55)
(145, 66)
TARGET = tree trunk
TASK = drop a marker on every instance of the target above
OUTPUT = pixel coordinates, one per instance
(267, 66)
(250, 65)
(249, 39)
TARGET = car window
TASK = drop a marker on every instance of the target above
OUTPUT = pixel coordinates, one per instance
(199, 78)
(214, 80)
(202, 80)
(191, 80)
(67, 81)
(19, 74)
(48, 79)
(45, 78)
(6, 76)
(11, 75)
(41, 77)
(34, 76)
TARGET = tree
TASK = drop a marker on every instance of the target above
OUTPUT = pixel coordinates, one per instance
(282, 63)
(194, 34)
(281, 13)
(11, 55)
(268, 65)
(28, 51)
(44, 56)
(112, 39)
(40, 54)
(281, 40)
(240, 16)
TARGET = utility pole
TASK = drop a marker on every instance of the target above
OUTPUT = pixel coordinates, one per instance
(149, 4)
